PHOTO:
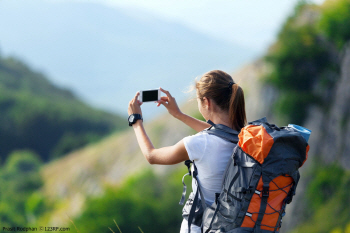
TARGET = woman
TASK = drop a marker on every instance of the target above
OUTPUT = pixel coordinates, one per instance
(221, 101)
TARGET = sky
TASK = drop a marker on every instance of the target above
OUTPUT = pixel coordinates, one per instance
(249, 23)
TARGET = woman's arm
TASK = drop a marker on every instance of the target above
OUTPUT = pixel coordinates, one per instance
(165, 155)
(170, 103)
(194, 123)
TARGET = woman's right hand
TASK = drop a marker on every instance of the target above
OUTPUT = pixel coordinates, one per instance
(169, 102)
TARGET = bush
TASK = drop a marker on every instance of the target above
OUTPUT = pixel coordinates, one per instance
(328, 198)
(325, 184)
(335, 21)
(19, 179)
(144, 200)
(298, 59)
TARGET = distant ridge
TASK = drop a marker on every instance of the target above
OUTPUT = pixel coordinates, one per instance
(38, 116)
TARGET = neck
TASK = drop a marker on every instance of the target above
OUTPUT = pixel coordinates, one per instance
(222, 119)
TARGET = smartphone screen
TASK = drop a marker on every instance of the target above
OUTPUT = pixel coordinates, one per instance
(151, 95)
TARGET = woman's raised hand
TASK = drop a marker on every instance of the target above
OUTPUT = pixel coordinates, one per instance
(135, 105)
(170, 103)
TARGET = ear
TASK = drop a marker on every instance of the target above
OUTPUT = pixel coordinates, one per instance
(206, 103)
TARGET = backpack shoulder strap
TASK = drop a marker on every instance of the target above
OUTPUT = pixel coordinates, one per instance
(223, 132)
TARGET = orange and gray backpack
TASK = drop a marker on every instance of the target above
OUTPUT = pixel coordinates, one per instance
(260, 179)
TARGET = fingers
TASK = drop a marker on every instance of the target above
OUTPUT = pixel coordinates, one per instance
(134, 105)
(136, 96)
(166, 92)
(162, 102)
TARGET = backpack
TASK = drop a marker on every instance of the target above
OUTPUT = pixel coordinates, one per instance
(259, 181)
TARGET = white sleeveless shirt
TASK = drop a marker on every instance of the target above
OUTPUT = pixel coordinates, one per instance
(211, 155)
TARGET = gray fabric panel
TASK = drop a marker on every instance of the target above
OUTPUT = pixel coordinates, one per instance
(233, 203)
(254, 182)
(197, 220)
(209, 216)
(286, 155)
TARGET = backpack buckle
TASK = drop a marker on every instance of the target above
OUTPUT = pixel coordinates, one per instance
(265, 191)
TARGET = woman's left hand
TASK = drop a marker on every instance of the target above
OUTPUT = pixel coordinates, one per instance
(135, 105)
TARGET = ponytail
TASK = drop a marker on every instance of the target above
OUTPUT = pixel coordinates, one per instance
(237, 107)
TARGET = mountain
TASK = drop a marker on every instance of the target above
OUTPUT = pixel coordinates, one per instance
(38, 116)
(107, 54)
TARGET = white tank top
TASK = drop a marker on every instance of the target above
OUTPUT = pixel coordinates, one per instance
(211, 155)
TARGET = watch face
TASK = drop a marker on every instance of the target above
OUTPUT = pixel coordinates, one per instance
(131, 119)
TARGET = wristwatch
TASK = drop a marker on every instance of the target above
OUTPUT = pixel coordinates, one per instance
(133, 118)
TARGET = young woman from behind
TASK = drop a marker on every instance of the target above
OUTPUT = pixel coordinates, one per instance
(219, 100)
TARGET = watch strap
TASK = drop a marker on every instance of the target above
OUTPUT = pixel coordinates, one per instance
(136, 117)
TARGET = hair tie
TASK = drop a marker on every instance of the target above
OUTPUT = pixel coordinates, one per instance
(230, 85)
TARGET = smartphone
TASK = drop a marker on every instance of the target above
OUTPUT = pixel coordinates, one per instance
(149, 95)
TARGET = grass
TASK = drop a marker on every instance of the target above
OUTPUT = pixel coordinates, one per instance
(119, 228)
(73, 223)
(108, 227)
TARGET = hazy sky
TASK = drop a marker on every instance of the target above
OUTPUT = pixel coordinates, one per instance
(251, 23)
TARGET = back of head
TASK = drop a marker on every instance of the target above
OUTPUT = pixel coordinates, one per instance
(227, 95)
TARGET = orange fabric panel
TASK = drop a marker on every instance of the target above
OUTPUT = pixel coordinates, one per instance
(254, 207)
(275, 200)
(255, 141)
(307, 152)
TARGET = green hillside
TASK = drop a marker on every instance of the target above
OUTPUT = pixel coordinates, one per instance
(38, 116)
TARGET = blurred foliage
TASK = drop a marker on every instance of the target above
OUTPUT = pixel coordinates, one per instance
(145, 200)
(305, 66)
(20, 179)
(328, 198)
(335, 21)
(36, 115)
(301, 58)
(325, 183)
